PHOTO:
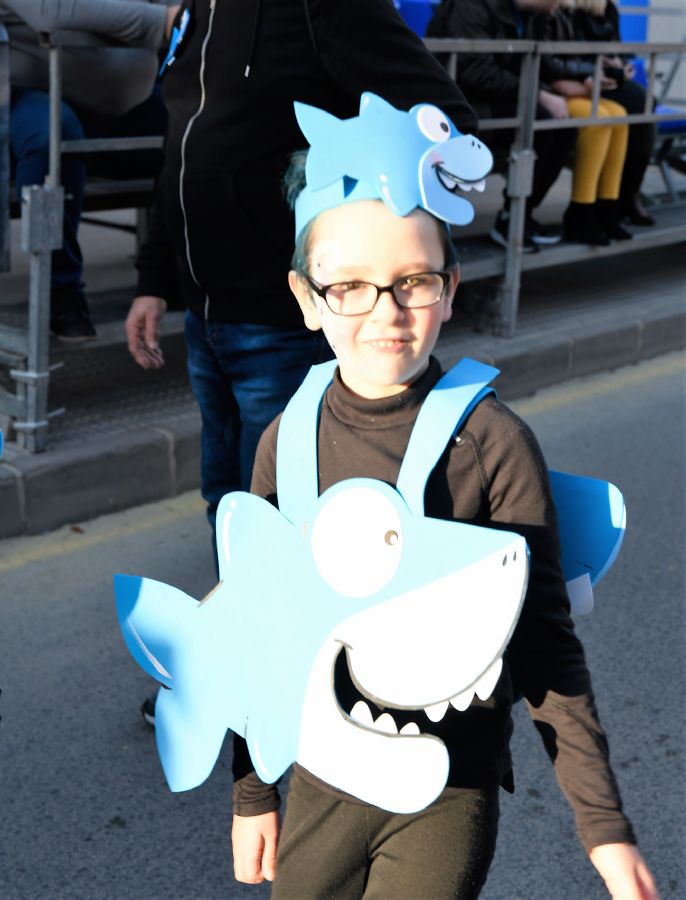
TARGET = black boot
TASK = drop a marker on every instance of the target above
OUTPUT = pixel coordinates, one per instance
(609, 215)
(634, 212)
(581, 225)
(70, 319)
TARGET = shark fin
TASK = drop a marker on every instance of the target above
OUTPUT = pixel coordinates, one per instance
(189, 738)
(151, 616)
(373, 105)
(592, 520)
(243, 523)
(324, 132)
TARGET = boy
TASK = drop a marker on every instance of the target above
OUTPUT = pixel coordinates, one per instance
(380, 285)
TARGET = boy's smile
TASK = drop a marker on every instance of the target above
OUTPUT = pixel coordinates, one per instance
(381, 352)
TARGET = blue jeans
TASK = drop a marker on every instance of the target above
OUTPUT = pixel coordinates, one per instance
(242, 376)
(30, 145)
(30, 142)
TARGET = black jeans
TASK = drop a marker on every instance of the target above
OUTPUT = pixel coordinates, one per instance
(552, 148)
(641, 139)
(335, 849)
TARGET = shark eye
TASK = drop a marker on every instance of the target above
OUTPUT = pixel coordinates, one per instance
(433, 124)
(357, 541)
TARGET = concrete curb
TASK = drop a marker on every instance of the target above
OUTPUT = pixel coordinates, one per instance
(68, 485)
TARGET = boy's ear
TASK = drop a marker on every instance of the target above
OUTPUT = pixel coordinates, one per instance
(450, 293)
(303, 294)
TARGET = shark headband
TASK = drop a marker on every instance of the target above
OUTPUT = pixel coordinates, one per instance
(410, 160)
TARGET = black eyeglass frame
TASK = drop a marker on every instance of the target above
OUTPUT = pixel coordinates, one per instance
(322, 289)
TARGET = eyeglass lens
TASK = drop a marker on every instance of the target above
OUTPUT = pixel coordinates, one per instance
(410, 291)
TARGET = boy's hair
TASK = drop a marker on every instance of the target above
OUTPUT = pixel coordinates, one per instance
(293, 183)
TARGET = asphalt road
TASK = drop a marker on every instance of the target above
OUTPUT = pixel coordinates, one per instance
(84, 810)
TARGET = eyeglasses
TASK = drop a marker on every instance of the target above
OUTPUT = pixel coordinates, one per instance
(355, 298)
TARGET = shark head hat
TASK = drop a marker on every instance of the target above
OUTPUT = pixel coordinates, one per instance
(409, 160)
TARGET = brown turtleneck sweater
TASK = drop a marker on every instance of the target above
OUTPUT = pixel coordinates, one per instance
(493, 474)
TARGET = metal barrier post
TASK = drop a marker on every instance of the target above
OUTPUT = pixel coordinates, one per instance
(4, 151)
(41, 223)
(519, 181)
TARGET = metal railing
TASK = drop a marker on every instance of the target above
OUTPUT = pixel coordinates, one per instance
(27, 351)
(4, 150)
(522, 157)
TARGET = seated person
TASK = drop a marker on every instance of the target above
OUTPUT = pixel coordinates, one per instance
(598, 20)
(491, 84)
(119, 101)
(593, 215)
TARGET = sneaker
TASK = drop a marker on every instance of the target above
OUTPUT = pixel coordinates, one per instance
(499, 232)
(148, 711)
(544, 235)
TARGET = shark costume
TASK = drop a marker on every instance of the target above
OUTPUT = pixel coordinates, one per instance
(360, 629)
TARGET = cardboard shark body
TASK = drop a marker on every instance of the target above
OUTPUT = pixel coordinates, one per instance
(423, 610)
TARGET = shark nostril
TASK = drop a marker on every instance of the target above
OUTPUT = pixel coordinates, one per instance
(504, 560)
(514, 556)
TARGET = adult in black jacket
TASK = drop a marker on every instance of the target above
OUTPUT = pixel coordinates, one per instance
(221, 235)
(491, 84)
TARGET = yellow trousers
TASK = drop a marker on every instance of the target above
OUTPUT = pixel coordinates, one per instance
(600, 152)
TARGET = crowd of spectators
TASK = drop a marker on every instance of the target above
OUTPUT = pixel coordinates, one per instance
(608, 161)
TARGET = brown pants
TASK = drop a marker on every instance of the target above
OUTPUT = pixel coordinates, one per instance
(332, 849)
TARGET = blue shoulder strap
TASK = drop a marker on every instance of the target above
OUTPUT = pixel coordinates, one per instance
(297, 482)
(441, 415)
(446, 407)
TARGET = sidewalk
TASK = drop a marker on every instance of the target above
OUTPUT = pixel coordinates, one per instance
(131, 437)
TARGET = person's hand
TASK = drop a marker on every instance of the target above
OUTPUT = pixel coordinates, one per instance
(556, 105)
(254, 840)
(142, 331)
(567, 87)
(606, 84)
(624, 871)
(171, 15)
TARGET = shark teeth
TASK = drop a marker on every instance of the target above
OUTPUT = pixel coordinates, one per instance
(385, 723)
(486, 684)
(463, 700)
(483, 688)
(475, 186)
(451, 182)
(362, 714)
(411, 728)
(436, 711)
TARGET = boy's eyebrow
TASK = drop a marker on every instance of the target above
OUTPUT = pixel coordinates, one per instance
(349, 271)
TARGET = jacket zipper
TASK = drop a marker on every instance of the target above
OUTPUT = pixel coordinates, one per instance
(184, 140)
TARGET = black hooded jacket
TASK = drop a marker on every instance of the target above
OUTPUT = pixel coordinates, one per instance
(220, 229)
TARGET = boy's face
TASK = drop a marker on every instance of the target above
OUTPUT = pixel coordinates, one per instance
(382, 352)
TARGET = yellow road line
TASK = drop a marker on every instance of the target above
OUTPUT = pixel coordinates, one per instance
(557, 396)
(21, 551)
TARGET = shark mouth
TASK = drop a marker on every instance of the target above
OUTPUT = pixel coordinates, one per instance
(385, 719)
(454, 184)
